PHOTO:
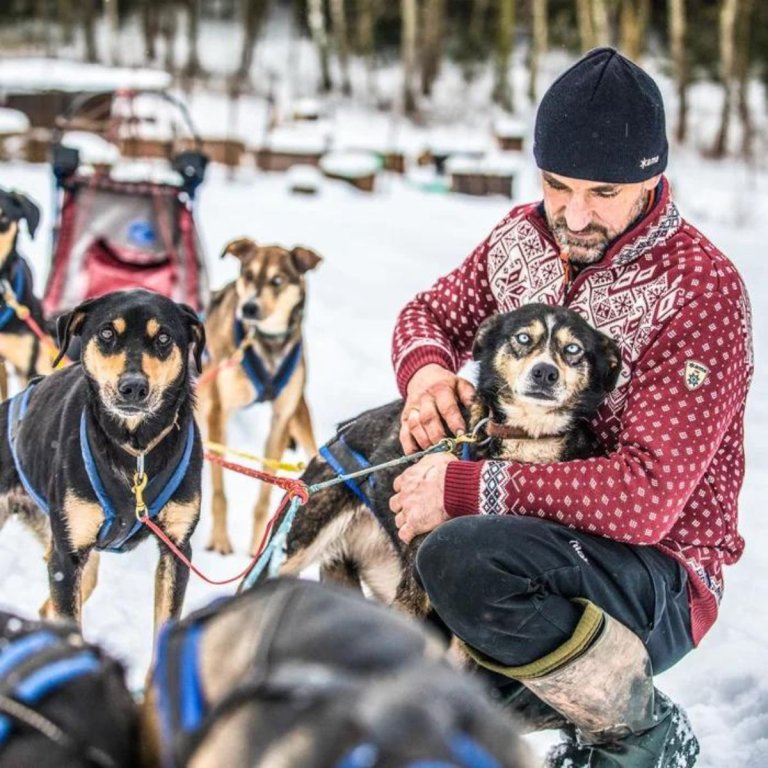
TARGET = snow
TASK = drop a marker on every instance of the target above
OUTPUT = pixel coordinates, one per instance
(26, 75)
(92, 149)
(12, 121)
(350, 165)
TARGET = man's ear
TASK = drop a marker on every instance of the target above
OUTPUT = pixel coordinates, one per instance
(69, 325)
(197, 334)
(611, 355)
(30, 211)
(239, 248)
(483, 334)
(305, 259)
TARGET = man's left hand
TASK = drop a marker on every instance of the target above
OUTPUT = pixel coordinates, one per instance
(418, 499)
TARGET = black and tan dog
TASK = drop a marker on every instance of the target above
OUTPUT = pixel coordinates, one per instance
(63, 702)
(297, 675)
(72, 443)
(262, 312)
(18, 343)
(542, 373)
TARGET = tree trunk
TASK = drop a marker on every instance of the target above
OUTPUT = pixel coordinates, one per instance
(742, 68)
(677, 45)
(539, 43)
(192, 68)
(602, 26)
(341, 36)
(255, 12)
(477, 19)
(634, 18)
(433, 32)
(729, 10)
(149, 27)
(317, 28)
(67, 21)
(168, 24)
(505, 31)
(409, 32)
(367, 12)
(112, 12)
(91, 52)
(586, 25)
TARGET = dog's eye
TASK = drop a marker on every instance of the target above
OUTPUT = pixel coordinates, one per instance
(107, 333)
(276, 281)
(163, 339)
(523, 338)
(572, 349)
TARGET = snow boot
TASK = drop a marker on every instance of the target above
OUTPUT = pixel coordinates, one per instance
(601, 681)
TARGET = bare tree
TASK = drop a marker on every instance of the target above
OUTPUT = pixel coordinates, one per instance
(88, 11)
(742, 69)
(341, 37)
(586, 24)
(317, 28)
(367, 14)
(112, 12)
(409, 36)
(168, 27)
(254, 13)
(505, 30)
(601, 22)
(634, 17)
(149, 28)
(192, 68)
(729, 10)
(677, 45)
(433, 23)
(539, 43)
(67, 21)
(478, 18)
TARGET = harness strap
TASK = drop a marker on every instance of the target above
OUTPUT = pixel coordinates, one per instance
(109, 540)
(17, 409)
(267, 386)
(18, 291)
(344, 460)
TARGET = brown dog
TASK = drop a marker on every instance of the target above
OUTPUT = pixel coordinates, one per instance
(261, 313)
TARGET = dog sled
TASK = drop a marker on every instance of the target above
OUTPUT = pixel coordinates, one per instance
(126, 177)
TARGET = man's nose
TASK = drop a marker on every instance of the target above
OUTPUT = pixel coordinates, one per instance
(577, 214)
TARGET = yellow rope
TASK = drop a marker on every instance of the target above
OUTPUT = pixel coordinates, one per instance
(268, 463)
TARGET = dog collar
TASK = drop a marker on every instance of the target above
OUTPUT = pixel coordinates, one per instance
(506, 431)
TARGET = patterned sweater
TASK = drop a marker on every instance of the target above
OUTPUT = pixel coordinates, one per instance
(673, 427)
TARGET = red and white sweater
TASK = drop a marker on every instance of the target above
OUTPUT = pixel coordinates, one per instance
(674, 442)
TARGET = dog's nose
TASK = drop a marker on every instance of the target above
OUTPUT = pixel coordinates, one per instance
(545, 374)
(133, 387)
(251, 310)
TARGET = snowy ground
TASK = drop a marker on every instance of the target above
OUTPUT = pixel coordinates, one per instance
(378, 251)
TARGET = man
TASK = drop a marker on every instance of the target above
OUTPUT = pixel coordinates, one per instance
(577, 579)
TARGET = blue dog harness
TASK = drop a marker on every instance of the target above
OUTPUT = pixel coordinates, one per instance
(18, 286)
(110, 538)
(344, 460)
(35, 665)
(267, 386)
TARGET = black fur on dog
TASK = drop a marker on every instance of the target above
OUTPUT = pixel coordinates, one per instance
(63, 702)
(131, 393)
(542, 373)
(18, 343)
(295, 674)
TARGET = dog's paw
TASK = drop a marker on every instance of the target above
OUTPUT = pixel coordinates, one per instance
(220, 543)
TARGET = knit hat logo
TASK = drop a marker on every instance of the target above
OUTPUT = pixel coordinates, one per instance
(694, 375)
(647, 162)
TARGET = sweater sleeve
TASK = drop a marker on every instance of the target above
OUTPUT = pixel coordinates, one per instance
(673, 423)
(439, 325)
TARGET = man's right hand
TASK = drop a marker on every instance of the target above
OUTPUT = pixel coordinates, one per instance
(433, 397)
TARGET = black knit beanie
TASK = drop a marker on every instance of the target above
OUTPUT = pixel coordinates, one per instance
(602, 120)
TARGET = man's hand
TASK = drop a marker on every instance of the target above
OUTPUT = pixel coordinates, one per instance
(418, 499)
(434, 394)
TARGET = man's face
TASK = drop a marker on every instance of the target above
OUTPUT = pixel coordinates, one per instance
(585, 216)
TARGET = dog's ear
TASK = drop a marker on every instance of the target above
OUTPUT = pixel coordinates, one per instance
(70, 324)
(197, 334)
(483, 334)
(30, 211)
(611, 355)
(239, 248)
(305, 259)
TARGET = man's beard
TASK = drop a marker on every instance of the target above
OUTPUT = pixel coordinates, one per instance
(594, 239)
